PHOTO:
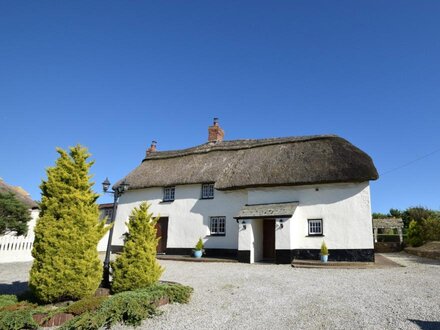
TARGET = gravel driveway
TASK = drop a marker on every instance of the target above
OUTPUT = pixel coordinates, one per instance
(264, 296)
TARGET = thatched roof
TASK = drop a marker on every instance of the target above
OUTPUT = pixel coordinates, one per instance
(19, 193)
(255, 163)
(388, 223)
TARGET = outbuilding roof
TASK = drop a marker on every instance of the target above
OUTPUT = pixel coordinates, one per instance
(19, 193)
(388, 223)
(240, 164)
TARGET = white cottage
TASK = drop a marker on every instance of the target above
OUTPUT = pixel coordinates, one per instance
(268, 199)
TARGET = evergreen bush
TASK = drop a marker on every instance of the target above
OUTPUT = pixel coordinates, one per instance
(324, 249)
(8, 299)
(17, 320)
(87, 304)
(66, 263)
(14, 215)
(129, 307)
(137, 266)
(199, 245)
(415, 235)
(431, 229)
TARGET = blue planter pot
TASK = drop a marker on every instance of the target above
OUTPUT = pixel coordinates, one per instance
(197, 253)
(324, 258)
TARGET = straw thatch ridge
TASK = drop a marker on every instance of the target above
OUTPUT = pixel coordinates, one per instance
(256, 163)
(19, 193)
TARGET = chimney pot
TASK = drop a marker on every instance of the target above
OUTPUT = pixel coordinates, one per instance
(215, 132)
(152, 148)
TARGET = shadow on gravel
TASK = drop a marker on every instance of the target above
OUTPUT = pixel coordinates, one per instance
(426, 325)
(13, 288)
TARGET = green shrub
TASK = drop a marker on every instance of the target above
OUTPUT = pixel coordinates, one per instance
(199, 245)
(14, 215)
(66, 262)
(415, 236)
(177, 293)
(431, 229)
(388, 238)
(137, 266)
(7, 299)
(18, 306)
(130, 307)
(16, 320)
(324, 249)
(88, 304)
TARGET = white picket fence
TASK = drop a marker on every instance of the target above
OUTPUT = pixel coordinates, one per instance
(16, 248)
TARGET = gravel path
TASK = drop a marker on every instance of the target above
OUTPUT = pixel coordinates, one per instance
(263, 296)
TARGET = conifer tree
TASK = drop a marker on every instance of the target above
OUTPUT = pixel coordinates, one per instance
(14, 215)
(137, 266)
(66, 263)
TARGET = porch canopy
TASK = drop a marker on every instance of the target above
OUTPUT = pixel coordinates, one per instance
(388, 223)
(276, 210)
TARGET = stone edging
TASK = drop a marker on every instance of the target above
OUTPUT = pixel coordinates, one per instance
(61, 318)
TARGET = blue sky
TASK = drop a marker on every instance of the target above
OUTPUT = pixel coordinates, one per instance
(114, 75)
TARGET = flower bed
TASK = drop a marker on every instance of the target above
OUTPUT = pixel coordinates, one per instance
(129, 307)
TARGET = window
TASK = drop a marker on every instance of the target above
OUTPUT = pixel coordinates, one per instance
(106, 212)
(218, 226)
(315, 227)
(168, 194)
(207, 191)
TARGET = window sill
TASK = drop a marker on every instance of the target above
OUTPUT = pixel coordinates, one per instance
(216, 235)
(166, 201)
(204, 198)
(315, 235)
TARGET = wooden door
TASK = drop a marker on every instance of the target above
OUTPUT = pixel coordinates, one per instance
(268, 239)
(162, 232)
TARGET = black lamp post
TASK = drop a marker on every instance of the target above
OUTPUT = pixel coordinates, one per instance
(120, 189)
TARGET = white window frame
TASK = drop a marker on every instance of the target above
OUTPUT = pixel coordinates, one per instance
(207, 191)
(169, 194)
(313, 225)
(217, 225)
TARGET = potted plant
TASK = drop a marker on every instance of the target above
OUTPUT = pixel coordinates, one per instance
(324, 252)
(198, 250)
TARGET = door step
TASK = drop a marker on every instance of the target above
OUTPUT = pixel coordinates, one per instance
(330, 264)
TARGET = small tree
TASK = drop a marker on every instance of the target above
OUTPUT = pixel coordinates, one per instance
(14, 215)
(137, 266)
(66, 263)
(415, 233)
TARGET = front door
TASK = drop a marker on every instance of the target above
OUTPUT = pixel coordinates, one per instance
(268, 239)
(162, 232)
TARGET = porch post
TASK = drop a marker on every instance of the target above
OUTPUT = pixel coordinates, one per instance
(399, 230)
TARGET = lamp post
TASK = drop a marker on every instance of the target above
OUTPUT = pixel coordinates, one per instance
(120, 189)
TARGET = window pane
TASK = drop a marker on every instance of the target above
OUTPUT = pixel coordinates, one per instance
(168, 194)
(217, 225)
(315, 227)
(208, 190)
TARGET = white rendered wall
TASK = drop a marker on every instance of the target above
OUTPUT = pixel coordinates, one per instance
(344, 208)
(188, 215)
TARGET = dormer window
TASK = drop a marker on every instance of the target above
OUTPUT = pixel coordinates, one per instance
(168, 194)
(207, 191)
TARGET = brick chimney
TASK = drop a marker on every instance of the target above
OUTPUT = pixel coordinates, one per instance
(152, 148)
(215, 133)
